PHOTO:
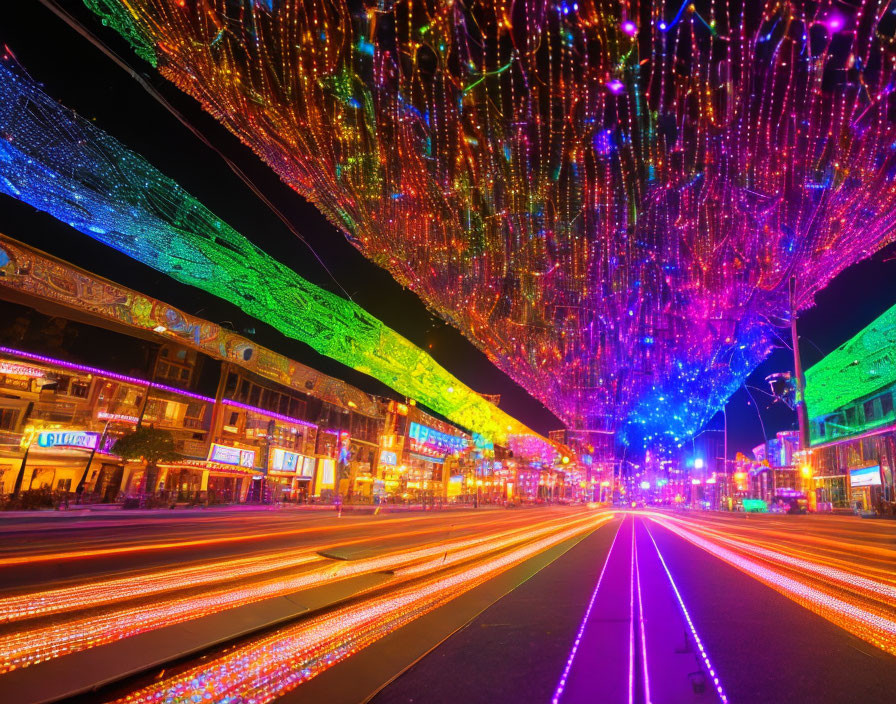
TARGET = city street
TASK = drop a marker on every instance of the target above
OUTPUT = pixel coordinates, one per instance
(555, 604)
(447, 352)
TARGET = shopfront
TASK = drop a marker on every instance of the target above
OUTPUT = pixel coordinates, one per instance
(324, 479)
(865, 485)
(290, 475)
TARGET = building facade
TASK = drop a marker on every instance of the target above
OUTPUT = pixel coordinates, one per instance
(850, 400)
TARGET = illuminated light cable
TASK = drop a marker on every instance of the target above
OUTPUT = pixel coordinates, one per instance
(66, 166)
(561, 685)
(624, 263)
(696, 636)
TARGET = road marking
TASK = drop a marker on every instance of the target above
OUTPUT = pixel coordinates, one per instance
(687, 617)
(561, 685)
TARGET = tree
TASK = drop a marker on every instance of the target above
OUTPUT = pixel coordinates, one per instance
(150, 445)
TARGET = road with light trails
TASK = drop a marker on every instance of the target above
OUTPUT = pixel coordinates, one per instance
(541, 605)
(658, 610)
(389, 567)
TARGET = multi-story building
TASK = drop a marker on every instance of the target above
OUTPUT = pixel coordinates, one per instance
(84, 361)
(850, 402)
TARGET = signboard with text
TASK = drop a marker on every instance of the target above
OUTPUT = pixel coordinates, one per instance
(66, 438)
(225, 454)
(866, 476)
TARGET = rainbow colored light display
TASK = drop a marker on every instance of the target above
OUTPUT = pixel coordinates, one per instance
(608, 197)
(61, 164)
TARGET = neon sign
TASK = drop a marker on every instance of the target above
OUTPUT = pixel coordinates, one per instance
(63, 438)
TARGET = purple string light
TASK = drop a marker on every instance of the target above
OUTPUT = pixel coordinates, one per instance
(102, 372)
(271, 414)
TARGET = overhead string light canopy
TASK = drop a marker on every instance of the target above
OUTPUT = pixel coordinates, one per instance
(69, 168)
(609, 198)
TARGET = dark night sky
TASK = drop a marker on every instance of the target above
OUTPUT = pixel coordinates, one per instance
(75, 73)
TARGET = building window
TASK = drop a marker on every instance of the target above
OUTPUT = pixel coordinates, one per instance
(886, 405)
(64, 485)
(80, 389)
(231, 385)
(244, 391)
(868, 407)
(195, 410)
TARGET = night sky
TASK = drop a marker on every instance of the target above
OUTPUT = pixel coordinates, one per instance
(79, 76)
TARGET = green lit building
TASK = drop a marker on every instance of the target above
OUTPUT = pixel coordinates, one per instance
(850, 399)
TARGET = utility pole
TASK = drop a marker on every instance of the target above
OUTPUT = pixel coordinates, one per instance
(800, 378)
(79, 489)
(802, 414)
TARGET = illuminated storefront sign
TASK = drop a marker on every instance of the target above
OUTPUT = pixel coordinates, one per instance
(307, 467)
(434, 443)
(62, 438)
(117, 417)
(21, 370)
(285, 461)
(231, 455)
(389, 458)
(326, 475)
(866, 476)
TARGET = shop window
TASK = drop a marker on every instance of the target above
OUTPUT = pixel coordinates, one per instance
(195, 410)
(244, 391)
(62, 383)
(8, 418)
(80, 389)
(886, 405)
(230, 385)
(870, 412)
(283, 405)
(851, 416)
(64, 485)
(255, 395)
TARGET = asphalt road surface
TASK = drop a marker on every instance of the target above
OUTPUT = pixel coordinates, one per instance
(529, 605)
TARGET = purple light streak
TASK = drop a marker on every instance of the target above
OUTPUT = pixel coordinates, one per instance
(561, 685)
(631, 624)
(687, 617)
(105, 373)
(641, 622)
(271, 414)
